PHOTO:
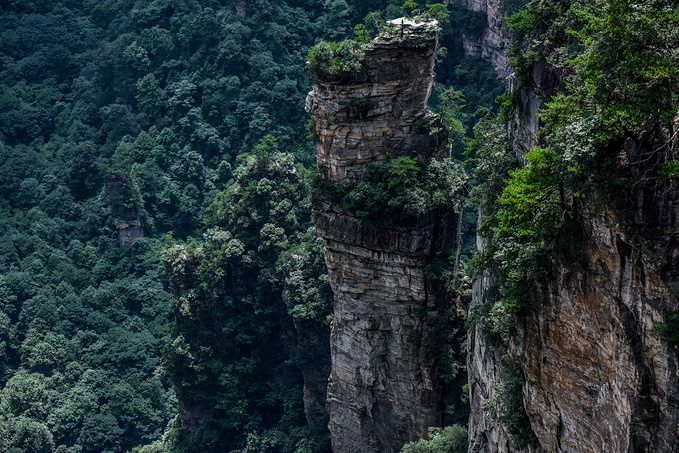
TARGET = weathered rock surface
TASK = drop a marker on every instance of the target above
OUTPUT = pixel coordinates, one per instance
(383, 388)
(125, 209)
(493, 42)
(242, 8)
(485, 370)
(129, 230)
(598, 378)
(395, 83)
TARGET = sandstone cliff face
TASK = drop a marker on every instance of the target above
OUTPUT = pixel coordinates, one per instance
(597, 376)
(395, 82)
(485, 367)
(383, 389)
(485, 371)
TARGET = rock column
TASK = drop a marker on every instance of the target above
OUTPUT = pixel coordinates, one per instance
(383, 389)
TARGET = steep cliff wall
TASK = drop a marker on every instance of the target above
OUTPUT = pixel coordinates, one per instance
(485, 372)
(597, 376)
(383, 388)
(492, 43)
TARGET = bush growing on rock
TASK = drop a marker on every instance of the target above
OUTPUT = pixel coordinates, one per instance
(334, 59)
(452, 439)
(399, 187)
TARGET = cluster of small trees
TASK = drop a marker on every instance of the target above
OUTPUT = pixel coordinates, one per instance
(333, 59)
(396, 188)
(239, 294)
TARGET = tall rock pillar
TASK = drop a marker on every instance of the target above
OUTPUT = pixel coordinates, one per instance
(383, 389)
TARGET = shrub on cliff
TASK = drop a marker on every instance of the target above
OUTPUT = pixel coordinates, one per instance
(327, 59)
(332, 59)
(398, 187)
(437, 11)
(619, 81)
(452, 439)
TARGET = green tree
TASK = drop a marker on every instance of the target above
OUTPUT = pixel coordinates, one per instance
(227, 301)
(23, 435)
(402, 171)
(451, 113)
(150, 96)
(335, 19)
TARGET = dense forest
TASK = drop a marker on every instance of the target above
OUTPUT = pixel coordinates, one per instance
(182, 124)
(157, 255)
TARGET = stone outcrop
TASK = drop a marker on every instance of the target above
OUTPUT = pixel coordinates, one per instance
(124, 202)
(383, 388)
(394, 84)
(129, 230)
(242, 8)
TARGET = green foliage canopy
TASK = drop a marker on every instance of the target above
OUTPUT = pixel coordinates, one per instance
(452, 439)
(399, 187)
(233, 348)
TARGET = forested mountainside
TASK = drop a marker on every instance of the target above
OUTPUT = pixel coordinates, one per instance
(129, 127)
(163, 285)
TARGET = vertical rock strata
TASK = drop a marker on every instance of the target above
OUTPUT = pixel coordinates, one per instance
(383, 388)
(598, 377)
